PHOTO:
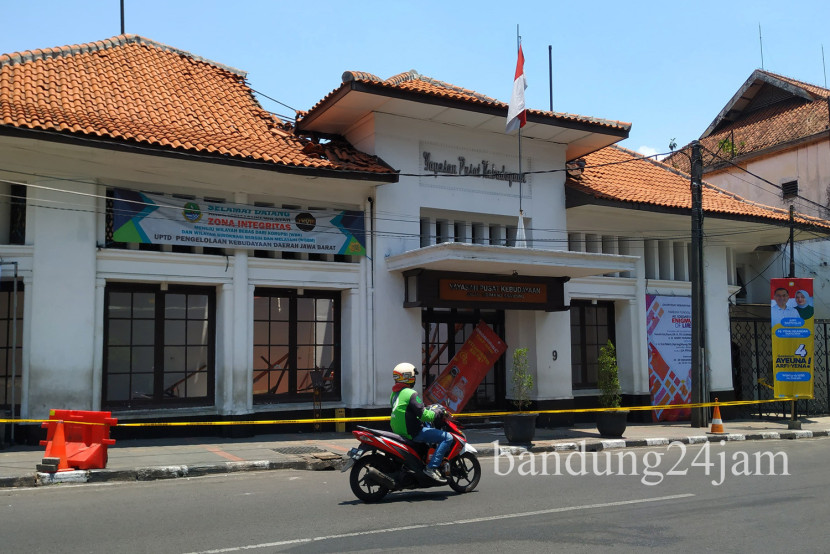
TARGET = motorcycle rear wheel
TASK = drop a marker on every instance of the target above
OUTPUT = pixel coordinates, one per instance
(465, 473)
(362, 488)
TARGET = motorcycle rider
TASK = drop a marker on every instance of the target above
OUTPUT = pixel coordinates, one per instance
(411, 420)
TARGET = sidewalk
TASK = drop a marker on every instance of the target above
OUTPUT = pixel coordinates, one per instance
(145, 460)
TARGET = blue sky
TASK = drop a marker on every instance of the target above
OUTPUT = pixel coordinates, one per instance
(666, 67)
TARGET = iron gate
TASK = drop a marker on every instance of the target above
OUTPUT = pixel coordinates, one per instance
(752, 370)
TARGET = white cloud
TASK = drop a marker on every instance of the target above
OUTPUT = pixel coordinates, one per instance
(649, 151)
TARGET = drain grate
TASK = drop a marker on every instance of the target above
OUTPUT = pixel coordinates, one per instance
(299, 450)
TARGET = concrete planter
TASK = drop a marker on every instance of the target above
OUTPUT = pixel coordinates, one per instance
(520, 428)
(612, 424)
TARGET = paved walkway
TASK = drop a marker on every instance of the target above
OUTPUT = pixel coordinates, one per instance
(143, 460)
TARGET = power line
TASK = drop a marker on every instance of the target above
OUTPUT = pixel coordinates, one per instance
(777, 187)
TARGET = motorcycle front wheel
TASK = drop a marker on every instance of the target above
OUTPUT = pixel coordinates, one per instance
(465, 473)
(364, 489)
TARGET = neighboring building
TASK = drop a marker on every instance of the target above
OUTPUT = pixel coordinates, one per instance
(93, 136)
(771, 144)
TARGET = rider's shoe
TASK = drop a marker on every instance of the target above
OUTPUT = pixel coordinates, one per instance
(433, 474)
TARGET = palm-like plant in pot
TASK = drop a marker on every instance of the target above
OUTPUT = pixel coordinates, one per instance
(520, 427)
(610, 423)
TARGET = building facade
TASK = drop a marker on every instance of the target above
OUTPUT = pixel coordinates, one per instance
(213, 321)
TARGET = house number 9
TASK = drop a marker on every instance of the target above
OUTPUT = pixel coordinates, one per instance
(555, 355)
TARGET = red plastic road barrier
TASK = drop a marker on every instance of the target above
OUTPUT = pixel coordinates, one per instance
(86, 434)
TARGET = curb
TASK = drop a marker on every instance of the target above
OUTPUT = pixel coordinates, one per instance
(157, 473)
(609, 444)
(330, 461)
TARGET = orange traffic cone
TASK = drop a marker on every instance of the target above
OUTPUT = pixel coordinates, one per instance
(55, 455)
(717, 422)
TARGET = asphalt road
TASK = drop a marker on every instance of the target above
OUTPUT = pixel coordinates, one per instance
(630, 500)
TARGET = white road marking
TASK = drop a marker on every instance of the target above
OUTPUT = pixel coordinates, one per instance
(445, 523)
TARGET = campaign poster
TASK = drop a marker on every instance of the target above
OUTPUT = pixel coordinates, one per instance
(158, 219)
(458, 381)
(793, 336)
(669, 325)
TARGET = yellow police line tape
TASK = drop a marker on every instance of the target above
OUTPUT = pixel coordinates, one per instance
(386, 418)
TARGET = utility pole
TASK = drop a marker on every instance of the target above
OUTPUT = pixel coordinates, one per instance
(698, 371)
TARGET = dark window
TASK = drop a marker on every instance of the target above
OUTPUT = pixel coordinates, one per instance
(296, 341)
(592, 325)
(158, 346)
(7, 326)
(789, 189)
(17, 215)
(445, 332)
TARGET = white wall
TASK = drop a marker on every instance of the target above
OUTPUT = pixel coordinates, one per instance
(61, 350)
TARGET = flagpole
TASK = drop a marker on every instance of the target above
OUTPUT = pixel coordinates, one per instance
(521, 214)
(516, 119)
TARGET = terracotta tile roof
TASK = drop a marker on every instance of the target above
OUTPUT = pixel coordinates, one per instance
(621, 175)
(413, 81)
(133, 90)
(801, 114)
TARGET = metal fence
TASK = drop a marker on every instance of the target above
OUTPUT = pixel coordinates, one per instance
(752, 369)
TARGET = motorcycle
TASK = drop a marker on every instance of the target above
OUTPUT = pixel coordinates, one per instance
(386, 462)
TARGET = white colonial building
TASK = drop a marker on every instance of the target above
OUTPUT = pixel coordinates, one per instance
(182, 254)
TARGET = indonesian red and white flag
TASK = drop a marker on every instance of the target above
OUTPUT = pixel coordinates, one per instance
(516, 113)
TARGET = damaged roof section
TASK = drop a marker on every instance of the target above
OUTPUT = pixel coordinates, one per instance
(768, 113)
(135, 91)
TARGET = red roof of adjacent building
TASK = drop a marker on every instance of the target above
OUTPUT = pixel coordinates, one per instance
(618, 174)
(769, 111)
(130, 89)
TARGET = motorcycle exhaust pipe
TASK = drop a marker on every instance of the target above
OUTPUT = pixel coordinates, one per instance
(379, 478)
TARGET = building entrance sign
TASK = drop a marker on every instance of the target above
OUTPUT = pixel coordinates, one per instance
(439, 289)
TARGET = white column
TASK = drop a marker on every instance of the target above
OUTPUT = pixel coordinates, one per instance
(666, 250)
(552, 337)
(651, 253)
(242, 316)
(716, 316)
(610, 246)
(62, 342)
(224, 349)
(576, 242)
(98, 360)
(593, 243)
(681, 261)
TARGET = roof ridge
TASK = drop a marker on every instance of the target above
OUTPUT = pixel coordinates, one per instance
(456, 88)
(26, 56)
(794, 81)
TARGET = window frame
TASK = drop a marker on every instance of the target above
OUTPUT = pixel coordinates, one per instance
(7, 288)
(581, 365)
(295, 393)
(158, 398)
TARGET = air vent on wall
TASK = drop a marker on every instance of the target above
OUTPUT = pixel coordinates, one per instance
(789, 189)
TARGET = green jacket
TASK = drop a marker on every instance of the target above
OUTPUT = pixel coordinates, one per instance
(408, 413)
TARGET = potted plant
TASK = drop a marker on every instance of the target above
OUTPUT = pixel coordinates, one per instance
(520, 427)
(610, 423)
